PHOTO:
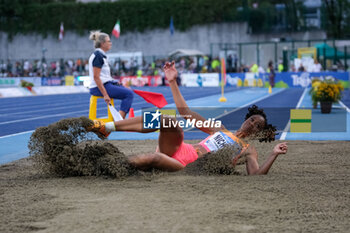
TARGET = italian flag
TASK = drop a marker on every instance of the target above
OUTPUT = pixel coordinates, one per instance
(60, 35)
(116, 29)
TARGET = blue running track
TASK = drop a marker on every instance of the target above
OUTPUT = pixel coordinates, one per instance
(19, 117)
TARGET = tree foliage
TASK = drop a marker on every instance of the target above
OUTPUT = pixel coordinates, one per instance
(19, 16)
(44, 16)
(337, 18)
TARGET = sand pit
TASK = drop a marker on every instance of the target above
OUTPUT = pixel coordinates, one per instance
(307, 190)
(66, 148)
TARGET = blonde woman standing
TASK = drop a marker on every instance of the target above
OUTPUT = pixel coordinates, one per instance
(101, 81)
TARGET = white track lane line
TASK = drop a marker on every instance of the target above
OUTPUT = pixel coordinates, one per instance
(285, 131)
(60, 102)
(250, 103)
(100, 108)
(54, 115)
(344, 106)
(55, 104)
(40, 110)
(16, 134)
(245, 105)
(43, 117)
(47, 116)
(31, 131)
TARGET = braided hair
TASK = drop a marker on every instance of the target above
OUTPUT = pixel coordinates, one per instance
(268, 133)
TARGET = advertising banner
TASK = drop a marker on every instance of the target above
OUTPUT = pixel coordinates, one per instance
(244, 80)
(54, 81)
(69, 80)
(304, 79)
(285, 79)
(8, 82)
(16, 81)
(151, 81)
(200, 80)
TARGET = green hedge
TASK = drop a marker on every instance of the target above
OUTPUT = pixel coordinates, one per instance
(18, 16)
(44, 16)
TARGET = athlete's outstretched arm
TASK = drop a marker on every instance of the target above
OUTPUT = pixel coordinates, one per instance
(252, 159)
(181, 105)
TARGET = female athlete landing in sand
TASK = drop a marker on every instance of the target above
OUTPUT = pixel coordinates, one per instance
(173, 154)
